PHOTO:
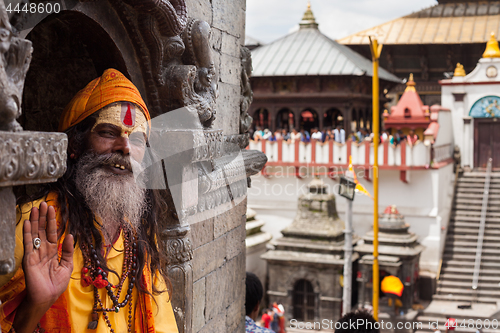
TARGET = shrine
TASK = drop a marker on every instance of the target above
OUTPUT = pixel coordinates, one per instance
(409, 113)
(399, 256)
(305, 267)
(475, 103)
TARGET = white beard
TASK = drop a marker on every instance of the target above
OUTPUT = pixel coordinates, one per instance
(117, 199)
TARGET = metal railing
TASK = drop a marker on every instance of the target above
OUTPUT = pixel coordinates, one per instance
(482, 223)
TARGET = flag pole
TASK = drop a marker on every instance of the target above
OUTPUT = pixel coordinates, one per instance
(376, 49)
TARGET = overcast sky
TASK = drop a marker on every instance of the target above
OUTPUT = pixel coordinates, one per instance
(268, 20)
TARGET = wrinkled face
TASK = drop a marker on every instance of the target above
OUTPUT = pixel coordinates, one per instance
(120, 129)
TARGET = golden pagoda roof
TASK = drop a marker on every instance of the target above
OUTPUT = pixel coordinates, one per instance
(492, 50)
(459, 70)
(445, 23)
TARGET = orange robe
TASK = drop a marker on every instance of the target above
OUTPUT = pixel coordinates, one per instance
(72, 311)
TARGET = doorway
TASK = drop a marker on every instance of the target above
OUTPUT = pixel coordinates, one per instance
(486, 142)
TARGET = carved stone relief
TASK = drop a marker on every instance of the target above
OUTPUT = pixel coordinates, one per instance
(25, 157)
(246, 90)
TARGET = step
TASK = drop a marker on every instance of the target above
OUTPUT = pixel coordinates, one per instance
(472, 244)
(470, 271)
(468, 292)
(475, 190)
(479, 174)
(468, 285)
(469, 212)
(470, 263)
(460, 298)
(477, 201)
(478, 195)
(462, 217)
(473, 238)
(475, 225)
(491, 208)
(468, 278)
(471, 257)
(486, 251)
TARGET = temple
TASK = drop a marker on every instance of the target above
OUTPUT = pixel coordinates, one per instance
(306, 80)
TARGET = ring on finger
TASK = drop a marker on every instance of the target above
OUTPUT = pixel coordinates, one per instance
(36, 243)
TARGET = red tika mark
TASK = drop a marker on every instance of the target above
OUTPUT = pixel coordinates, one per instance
(127, 120)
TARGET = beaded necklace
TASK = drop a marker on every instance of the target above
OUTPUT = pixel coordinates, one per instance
(99, 279)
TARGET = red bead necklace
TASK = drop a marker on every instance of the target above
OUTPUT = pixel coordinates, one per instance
(99, 279)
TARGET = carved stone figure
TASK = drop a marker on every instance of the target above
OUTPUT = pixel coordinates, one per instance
(246, 90)
(15, 56)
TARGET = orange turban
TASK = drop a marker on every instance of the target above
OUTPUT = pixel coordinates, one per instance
(111, 87)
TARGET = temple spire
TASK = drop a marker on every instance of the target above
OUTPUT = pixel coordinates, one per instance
(492, 50)
(410, 85)
(308, 20)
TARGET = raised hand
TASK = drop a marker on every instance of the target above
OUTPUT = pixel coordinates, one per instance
(46, 277)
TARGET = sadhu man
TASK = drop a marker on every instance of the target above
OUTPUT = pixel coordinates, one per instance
(89, 248)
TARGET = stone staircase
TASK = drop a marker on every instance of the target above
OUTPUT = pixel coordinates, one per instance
(455, 284)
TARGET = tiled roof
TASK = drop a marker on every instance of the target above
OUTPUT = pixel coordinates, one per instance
(445, 23)
(309, 52)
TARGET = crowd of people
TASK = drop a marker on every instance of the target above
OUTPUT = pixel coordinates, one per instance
(338, 135)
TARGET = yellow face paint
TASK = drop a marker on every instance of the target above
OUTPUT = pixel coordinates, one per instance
(127, 116)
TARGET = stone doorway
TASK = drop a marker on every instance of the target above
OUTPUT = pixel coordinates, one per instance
(486, 142)
(303, 301)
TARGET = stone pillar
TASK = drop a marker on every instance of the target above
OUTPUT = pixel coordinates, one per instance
(468, 143)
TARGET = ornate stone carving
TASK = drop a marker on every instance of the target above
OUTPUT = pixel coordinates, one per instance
(32, 157)
(179, 248)
(246, 90)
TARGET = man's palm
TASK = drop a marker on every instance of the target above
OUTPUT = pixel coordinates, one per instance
(46, 277)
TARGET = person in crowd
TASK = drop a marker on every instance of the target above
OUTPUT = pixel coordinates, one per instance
(328, 135)
(358, 321)
(285, 135)
(267, 134)
(411, 138)
(316, 134)
(258, 134)
(304, 136)
(295, 136)
(275, 324)
(384, 137)
(278, 135)
(266, 318)
(339, 134)
(254, 294)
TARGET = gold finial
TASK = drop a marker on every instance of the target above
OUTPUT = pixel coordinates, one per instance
(492, 50)
(410, 85)
(308, 20)
(459, 71)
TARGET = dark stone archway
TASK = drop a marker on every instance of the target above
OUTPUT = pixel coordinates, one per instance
(70, 50)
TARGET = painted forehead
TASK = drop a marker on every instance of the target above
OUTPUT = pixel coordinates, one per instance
(128, 116)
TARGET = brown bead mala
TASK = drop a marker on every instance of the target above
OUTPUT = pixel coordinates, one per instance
(99, 279)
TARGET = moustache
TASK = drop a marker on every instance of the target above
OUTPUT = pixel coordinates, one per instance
(93, 160)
